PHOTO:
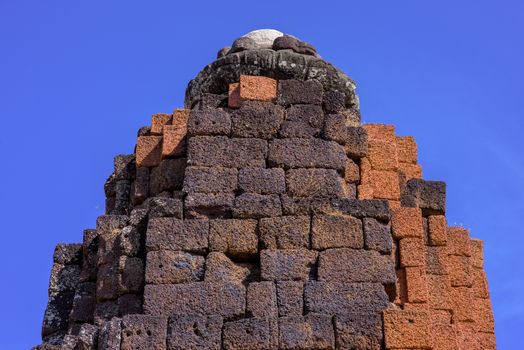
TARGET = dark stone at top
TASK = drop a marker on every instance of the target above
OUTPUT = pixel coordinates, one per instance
(430, 196)
(286, 42)
(68, 254)
(294, 91)
(243, 43)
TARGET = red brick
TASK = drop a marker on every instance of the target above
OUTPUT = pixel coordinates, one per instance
(385, 184)
(158, 122)
(175, 135)
(459, 271)
(257, 88)
(407, 329)
(461, 301)
(382, 155)
(402, 292)
(406, 149)
(233, 100)
(467, 337)
(410, 171)
(439, 290)
(417, 285)
(477, 253)
(458, 241)
(437, 230)
(406, 222)
(381, 132)
(443, 336)
(480, 283)
(149, 151)
(437, 260)
(483, 315)
(365, 192)
(411, 252)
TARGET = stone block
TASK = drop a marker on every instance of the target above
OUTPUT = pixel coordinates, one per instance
(430, 196)
(56, 315)
(195, 298)
(306, 153)
(291, 129)
(257, 88)
(406, 222)
(333, 101)
(158, 121)
(483, 315)
(144, 332)
(167, 176)
(160, 207)
(256, 206)
(131, 274)
(417, 285)
(286, 232)
(144, 131)
(174, 142)
(262, 181)
(225, 152)
(315, 183)
(377, 236)
(165, 266)
(233, 100)
(84, 302)
(480, 283)
(306, 332)
(444, 337)
(236, 238)
(220, 269)
(186, 332)
(129, 241)
(381, 132)
(261, 299)
(356, 142)
(462, 302)
(458, 241)
(292, 92)
(105, 311)
(209, 205)
(406, 149)
(352, 172)
(250, 333)
(359, 331)
(459, 271)
(437, 225)
(412, 252)
(148, 151)
(437, 260)
(208, 122)
(257, 119)
(311, 115)
(287, 265)
(385, 184)
(210, 180)
(176, 234)
(350, 265)
(290, 298)
(107, 281)
(477, 253)
(407, 329)
(68, 254)
(336, 231)
(382, 155)
(439, 292)
(110, 335)
(409, 171)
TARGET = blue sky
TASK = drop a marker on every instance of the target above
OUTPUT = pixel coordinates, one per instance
(77, 80)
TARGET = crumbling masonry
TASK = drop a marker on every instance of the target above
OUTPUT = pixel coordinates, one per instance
(265, 216)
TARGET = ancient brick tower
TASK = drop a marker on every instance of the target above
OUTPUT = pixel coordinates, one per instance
(265, 216)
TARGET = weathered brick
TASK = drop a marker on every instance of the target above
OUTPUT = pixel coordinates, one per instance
(56, 315)
(291, 129)
(292, 92)
(210, 180)
(174, 142)
(406, 222)
(209, 205)
(306, 332)
(285, 265)
(335, 128)
(349, 265)
(226, 152)
(430, 196)
(385, 184)
(262, 181)
(468, 337)
(406, 149)
(437, 230)
(167, 176)
(342, 298)
(237, 238)
(290, 298)
(261, 299)
(131, 275)
(84, 303)
(477, 253)
(208, 122)
(257, 119)
(250, 333)
(382, 155)
(233, 100)
(480, 283)
(144, 332)
(220, 269)
(311, 115)
(195, 298)
(333, 101)
(358, 331)
(458, 241)
(286, 232)
(165, 266)
(381, 132)
(439, 292)
(412, 252)
(437, 260)
(459, 271)
(483, 315)
(462, 301)
(443, 336)
(158, 121)
(351, 172)
(148, 151)
(377, 236)
(315, 183)
(194, 332)
(417, 285)
(336, 231)
(306, 153)
(256, 206)
(407, 329)
(257, 88)
(175, 234)
(68, 254)
(409, 171)
(356, 142)
(160, 207)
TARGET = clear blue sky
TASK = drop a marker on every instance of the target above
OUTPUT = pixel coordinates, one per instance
(77, 79)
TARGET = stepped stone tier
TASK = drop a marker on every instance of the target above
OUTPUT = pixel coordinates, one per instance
(263, 215)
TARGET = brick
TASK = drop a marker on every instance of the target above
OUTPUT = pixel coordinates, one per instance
(406, 329)
(148, 151)
(174, 143)
(311, 115)
(131, 275)
(250, 333)
(158, 121)
(437, 230)
(462, 301)
(406, 222)
(143, 332)
(430, 196)
(236, 238)
(292, 92)
(210, 180)
(437, 260)
(365, 192)
(233, 100)
(257, 88)
(443, 337)
(166, 266)
(291, 129)
(467, 337)
(195, 298)
(208, 122)
(358, 331)
(212, 101)
(342, 298)
(226, 152)
(261, 299)
(290, 298)
(175, 234)
(477, 253)
(377, 236)
(382, 155)
(458, 241)
(410, 171)
(67, 254)
(306, 332)
(483, 315)
(262, 181)
(194, 332)
(333, 101)
(480, 283)
(406, 149)
(220, 269)
(335, 128)
(385, 184)
(336, 231)
(285, 265)
(417, 285)
(356, 142)
(306, 153)
(412, 252)
(160, 207)
(315, 183)
(459, 271)
(167, 176)
(488, 340)
(256, 206)
(439, 289)
(209, 205)
(257, 119)
(286, 232)
(357, 266)
(381, 132)
(351, 172)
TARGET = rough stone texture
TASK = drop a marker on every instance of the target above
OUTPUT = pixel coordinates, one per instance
(165, 266)
(262, 181)
(293, 91)
(261, 299)
(430, 196)
(175, 234)
(377, 236)
(290, 298)
(306, 153)
(144, 332)
(167, 176)
(257, 88)
(209, 205)
(220, 269)
(158, 121)
(209, 122)
(148, 151)
(210, 180)
(306, 332)
(236, 238)
(194, 332)
(252, 205)
(407, 329)
(286, 232)
(358, 331)
(225, 152)
(315, 183)
(257, 119)
(250, 333)
(336, 231)
(287, 265)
